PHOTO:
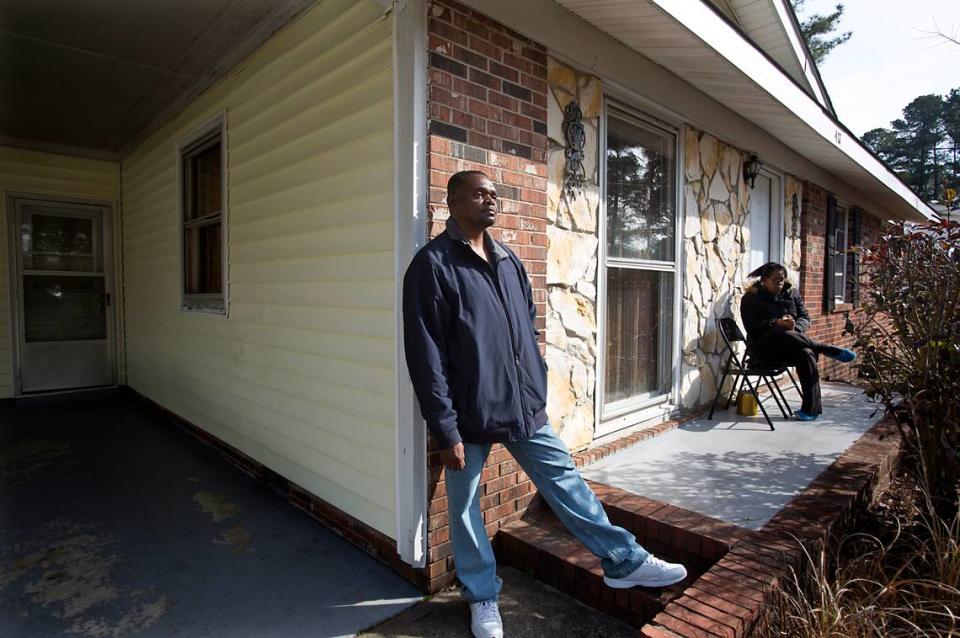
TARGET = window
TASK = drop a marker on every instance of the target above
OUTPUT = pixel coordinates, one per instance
(202, 201)
(639, 260)
(839, 270)
(841, 267)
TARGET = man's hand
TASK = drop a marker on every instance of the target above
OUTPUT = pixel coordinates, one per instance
(786, 322)
(452, 458)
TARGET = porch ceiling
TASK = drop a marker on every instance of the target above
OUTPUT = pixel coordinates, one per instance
(692, 41)
(92, 77)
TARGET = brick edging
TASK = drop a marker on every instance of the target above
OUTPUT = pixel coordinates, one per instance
(729, 598)
(594, 454)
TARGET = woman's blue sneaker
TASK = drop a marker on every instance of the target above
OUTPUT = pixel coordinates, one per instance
(803, 416)
(844, 355)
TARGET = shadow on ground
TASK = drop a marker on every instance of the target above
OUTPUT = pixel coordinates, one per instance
(115, 523)
(734, 468)
(529, 609)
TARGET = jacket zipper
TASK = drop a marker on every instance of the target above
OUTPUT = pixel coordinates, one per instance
(493, 273)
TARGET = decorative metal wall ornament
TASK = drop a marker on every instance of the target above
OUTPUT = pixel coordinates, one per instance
(575, 174)
(795, 206)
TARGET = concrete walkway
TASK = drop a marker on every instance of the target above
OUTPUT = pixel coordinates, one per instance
(734, 468)
(529, 609)
(114, 523)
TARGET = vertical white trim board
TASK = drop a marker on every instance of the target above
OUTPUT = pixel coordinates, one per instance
(410, 193)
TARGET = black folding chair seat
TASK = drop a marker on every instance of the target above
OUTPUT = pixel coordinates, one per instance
(749, 367)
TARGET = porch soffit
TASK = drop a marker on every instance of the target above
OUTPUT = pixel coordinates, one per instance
(689, 39)
(90, 78)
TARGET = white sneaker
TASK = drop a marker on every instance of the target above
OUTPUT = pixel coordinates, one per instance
(485, 619)
(652, 573)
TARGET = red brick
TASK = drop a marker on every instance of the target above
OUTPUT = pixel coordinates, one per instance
(487, 80)
(733, 622)
(683, 628)
(448, 31)
(500, 511)
(504, 72)
(504, 101)
(529, 67)
(484, 47)
(470, 57)
(501, 483)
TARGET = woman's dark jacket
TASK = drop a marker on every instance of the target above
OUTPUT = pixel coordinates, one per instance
(470, 342)
(760, 310)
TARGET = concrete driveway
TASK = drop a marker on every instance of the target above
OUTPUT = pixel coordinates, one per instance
(115, 523)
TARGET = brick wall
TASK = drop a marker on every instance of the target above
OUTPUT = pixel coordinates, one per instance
(826, 326)
(487, 109)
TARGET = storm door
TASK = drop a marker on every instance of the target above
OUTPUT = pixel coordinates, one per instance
(766, 220)
(62, 289)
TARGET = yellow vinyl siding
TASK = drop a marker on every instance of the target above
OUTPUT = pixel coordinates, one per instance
(40, 174)
(300, 375)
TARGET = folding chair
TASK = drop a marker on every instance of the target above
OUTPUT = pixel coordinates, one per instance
(746, 368)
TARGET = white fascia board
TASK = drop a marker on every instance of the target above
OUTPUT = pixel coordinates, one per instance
(700, 20)
(800, 50)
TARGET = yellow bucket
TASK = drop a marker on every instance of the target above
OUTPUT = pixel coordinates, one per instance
(746, 403)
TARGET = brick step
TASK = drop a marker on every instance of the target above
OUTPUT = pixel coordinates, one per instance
(540, 545)
(696, 540)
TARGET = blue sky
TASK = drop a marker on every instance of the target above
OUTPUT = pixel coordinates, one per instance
(889, 60)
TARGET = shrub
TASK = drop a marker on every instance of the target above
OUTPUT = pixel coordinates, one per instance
(902, 580)
(908, 338)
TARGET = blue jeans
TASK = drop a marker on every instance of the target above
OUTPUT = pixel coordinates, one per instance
(546, 460)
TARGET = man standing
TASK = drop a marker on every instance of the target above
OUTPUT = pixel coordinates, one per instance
(471, 347)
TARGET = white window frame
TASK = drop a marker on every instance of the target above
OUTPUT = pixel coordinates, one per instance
(628, 412)
(842, 223)
(205, 304)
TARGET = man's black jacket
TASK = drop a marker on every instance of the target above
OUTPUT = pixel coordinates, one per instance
(470, 342)
(760, 310)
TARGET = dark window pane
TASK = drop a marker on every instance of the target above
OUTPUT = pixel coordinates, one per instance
(58, 308)
(640, 192)
(639, 333)
(59, 243)
(203, 182)
(203, 260)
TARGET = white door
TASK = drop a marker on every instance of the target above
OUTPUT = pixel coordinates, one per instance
(766, 221)
(62, 295)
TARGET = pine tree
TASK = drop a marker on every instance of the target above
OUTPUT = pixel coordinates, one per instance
(923, 146)
(818, 29)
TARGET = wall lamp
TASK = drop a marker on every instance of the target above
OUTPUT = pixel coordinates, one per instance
(751, 168)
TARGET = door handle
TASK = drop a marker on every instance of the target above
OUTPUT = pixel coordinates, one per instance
(106, 299)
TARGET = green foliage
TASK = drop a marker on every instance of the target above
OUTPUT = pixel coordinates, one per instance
(909, 345)
(818, 31)
(923, 147)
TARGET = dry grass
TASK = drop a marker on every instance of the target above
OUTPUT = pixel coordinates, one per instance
(900, 579)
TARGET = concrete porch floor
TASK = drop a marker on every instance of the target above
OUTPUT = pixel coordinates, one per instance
(115, 523)
(734, 468)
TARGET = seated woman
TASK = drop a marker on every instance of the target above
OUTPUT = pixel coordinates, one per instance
(775, 319)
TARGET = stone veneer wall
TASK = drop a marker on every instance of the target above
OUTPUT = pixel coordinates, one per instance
(715, 200)
(792, 227)
(572, 260)
(715, 244)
